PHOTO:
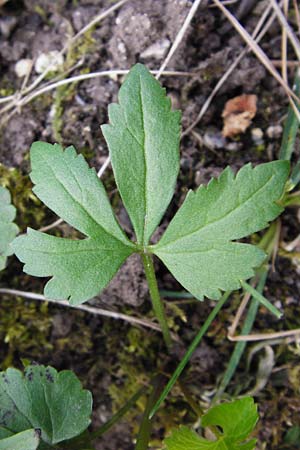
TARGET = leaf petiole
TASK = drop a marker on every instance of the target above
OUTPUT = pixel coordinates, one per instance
(155, 297)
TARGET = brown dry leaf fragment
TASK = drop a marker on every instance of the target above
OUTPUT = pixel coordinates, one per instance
(238, 113)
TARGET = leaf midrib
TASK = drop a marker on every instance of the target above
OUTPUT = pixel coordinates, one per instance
(142, 146)
(91, 250)
(217, 220)
(145, 160)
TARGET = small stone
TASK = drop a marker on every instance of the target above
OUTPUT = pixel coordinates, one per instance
(274, 131)
(23, 67)
(77, 18)
(121, 47)
(213, 139)
(7, 24)
(156, 50)
(278, 304)
(233, 146)
(52, 60)
(257, 135)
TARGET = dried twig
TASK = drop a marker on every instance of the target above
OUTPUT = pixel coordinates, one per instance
(90, 309)
(179, 37)
(293, 334)
(260, 54)
(289, 32)
(258, 35)
(284, 43)
(18, 100)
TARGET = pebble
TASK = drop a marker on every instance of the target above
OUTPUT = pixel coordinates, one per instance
(53, 59)
(7, 24)
(23, 67)
(233, 146)
(214, 139)
(274, 131)
(156, 50)
(257, 135)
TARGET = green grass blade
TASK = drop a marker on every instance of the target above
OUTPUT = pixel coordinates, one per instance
(295, 175)
(291, 126)
(189, 352)
(261, 299)
(175, 294)
(119, 414)
(144, 433)
(240, 346)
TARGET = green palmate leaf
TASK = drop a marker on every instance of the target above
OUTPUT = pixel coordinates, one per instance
(236, 419)
(44, 399)
(197, 247)
(26, 440)
(143, 139)
(8, 230)
(184, 438)
(80, 268)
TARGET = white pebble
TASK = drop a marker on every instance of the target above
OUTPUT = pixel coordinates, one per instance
(52, 60)
(156, 50)
(257, 135)
(274, 131)
(23, 67)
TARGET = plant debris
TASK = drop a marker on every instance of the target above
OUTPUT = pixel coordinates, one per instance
(238, 113)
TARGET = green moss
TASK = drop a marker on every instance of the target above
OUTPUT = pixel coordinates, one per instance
(30, 211)
(76, 51)
(5, 92)
(41, 12)
(80, 48)
(24, 329)
(63, 94)
(137, 362)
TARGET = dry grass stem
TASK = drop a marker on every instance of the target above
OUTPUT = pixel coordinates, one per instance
(89, 309)
(260, 54)
(284, 44)
(17, 100)
(103, 167)
(179, 37)
(288, 30)
(293, 334)
(93, 22)
(258, 35)
(290, 64)
(238, 315)
(51, 225)
(297, 13)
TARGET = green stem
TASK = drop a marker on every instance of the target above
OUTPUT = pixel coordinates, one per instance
(189, 352)
(291, 125)
(119, 414)
(146, 425)
(261, 299)
(155, 297)
(240, 346)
